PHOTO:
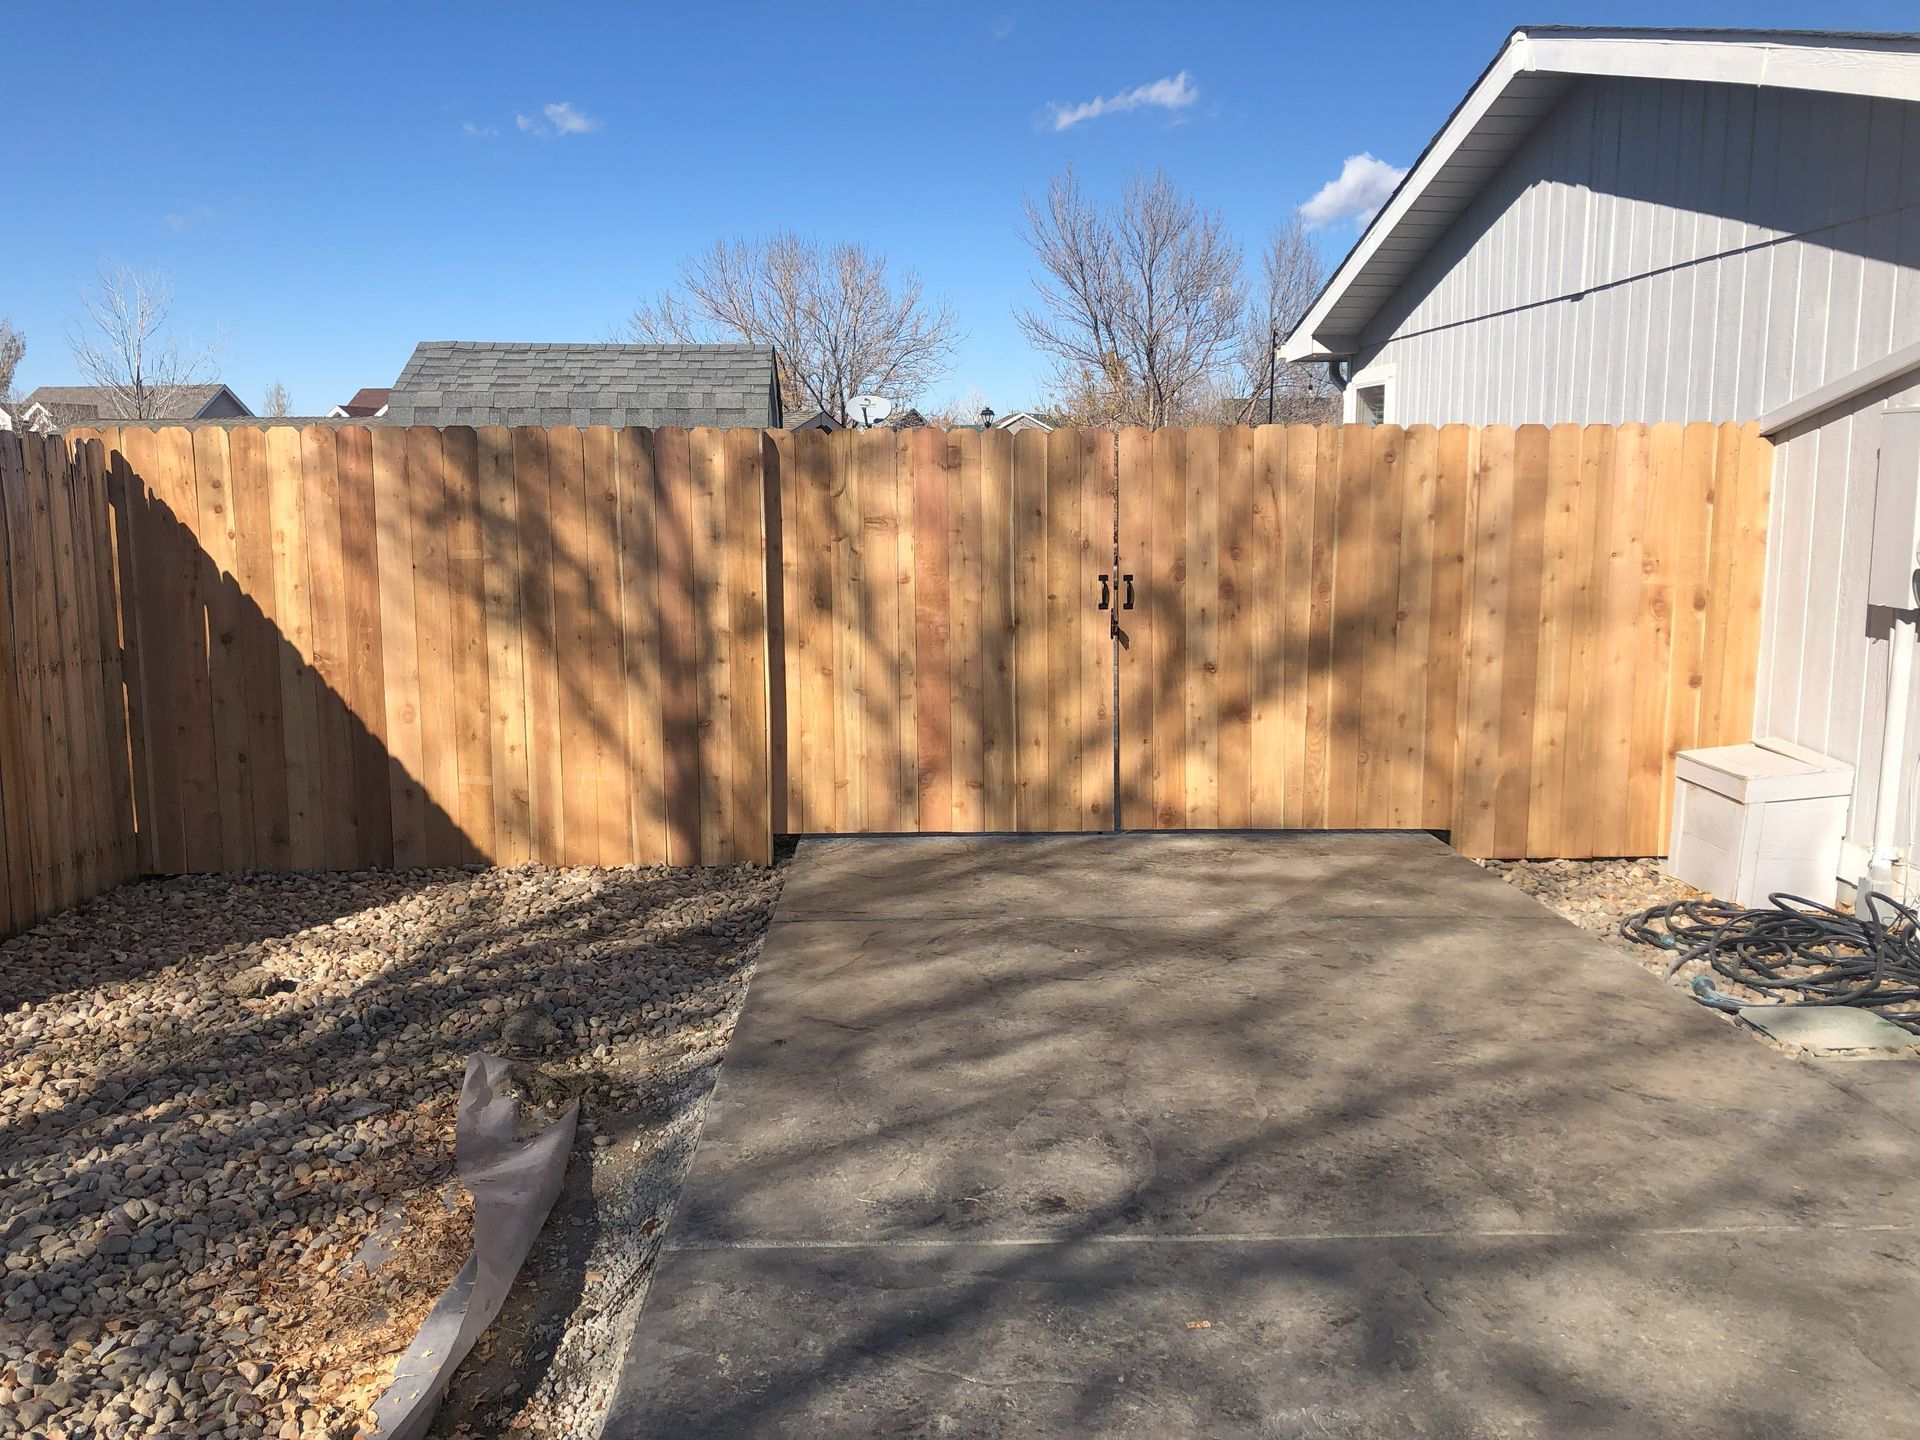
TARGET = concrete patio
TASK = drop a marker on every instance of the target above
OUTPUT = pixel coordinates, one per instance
(1280, 1135)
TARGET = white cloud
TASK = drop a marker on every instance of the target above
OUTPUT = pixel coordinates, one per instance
(1357, 195)
(183, 221)
(1171, 92)
(478, 132)
(560, 119)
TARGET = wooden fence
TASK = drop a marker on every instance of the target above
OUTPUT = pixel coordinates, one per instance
(346, 647)
(1501, 633)
(1504, 633)
(66, 825)
(945, 668)
(401, 646)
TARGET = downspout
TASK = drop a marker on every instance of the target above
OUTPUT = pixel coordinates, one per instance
(1891, 573)
(1337, 374)
(1893, 762)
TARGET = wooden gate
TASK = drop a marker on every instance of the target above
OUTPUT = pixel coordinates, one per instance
(1502, 633)
(945, 666)
(1262, 684)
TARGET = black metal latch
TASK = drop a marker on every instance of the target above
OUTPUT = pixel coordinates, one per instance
(1106, 603)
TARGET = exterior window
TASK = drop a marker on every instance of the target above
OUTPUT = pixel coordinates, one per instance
(1370, 404)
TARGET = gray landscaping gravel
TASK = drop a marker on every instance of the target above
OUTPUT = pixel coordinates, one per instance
(1597, 895)
(213, 1090)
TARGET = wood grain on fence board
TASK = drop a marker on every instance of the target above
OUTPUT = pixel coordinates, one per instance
(66, 802)
(944, 667)
(424, 647)
(279, 647)
(1503, 633)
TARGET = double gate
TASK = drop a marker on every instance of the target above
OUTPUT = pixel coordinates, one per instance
(1501, 633)
(359, 646)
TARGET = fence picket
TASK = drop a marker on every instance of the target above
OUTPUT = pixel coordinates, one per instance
(291, 647)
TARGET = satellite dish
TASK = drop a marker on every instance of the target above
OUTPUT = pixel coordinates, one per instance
(870, 408)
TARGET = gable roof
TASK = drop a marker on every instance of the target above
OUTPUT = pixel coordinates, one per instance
(1526, 80)
(1021, 420)
(367, 400)
(806, 419)
(79, 404)
(471, 382)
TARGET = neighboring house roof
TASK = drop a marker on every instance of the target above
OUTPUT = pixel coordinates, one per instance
(1525, 81)
(813, 420)
(89, 404)
(470, 382)
(907, 419)
(368, 402)
(1021, 420)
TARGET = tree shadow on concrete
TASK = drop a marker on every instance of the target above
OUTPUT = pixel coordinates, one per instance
(1395, 1151)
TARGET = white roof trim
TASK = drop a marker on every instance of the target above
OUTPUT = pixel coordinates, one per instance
(1882, 66)
(1003, 421)
(223, 390)
(1903, 361)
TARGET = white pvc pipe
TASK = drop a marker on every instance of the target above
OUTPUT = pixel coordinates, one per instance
(1893, 752)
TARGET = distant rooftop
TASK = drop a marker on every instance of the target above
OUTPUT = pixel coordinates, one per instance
(472, 382)
(86, 404)
(367, 400)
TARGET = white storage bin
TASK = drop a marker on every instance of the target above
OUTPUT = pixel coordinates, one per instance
(1750, 820)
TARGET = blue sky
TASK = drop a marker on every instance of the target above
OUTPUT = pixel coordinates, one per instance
(327, 186)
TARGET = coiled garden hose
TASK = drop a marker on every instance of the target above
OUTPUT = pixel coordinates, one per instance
(1798, 950)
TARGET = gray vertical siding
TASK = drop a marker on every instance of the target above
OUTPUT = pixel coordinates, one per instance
(1823, 654)
(1675, 251)
(1666, 251)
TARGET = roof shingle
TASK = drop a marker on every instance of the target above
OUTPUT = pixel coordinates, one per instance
(481, 382)
(79, 404)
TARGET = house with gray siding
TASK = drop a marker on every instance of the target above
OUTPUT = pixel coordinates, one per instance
(476, 382)
(55, 407)
(1667, 225)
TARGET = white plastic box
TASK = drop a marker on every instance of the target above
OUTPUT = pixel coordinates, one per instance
(1750, 820)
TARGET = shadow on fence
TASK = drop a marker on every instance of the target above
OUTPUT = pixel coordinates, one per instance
(245, 756)
(1500, 633)
(355, 647)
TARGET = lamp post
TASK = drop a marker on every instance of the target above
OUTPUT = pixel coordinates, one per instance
(1273, 366)
(986, 417)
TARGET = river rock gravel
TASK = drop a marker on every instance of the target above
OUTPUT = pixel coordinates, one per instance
(1597, 895)
(214, 1091)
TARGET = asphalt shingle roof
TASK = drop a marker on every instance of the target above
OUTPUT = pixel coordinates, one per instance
(367, 400)
(76, 404)
(473, 382)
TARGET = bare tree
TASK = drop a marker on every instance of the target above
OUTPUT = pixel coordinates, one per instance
(276, 402)
(13, 345)
(961, 409)
(1140, 303)
(1264, 386)
(840, 324)
(125, 346)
